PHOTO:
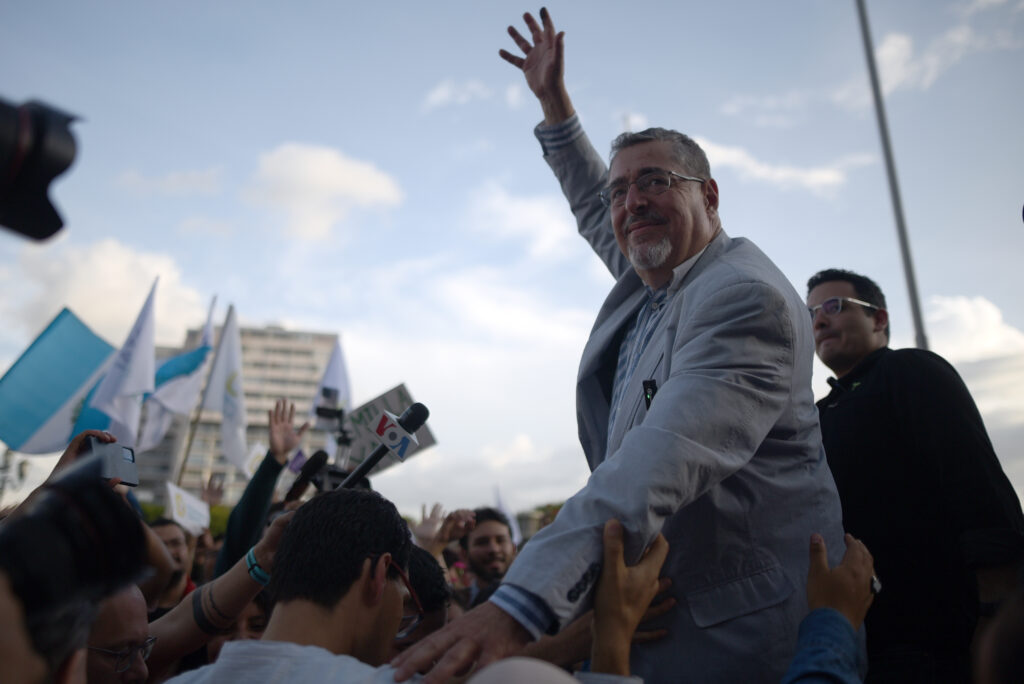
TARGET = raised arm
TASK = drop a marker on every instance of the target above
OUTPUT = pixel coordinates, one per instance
(245, 523)
(212, 608)
(579, 168)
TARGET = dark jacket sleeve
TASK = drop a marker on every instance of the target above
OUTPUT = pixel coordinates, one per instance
(245, 524)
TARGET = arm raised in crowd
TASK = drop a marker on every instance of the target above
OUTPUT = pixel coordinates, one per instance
(212, 608)
(246, 520)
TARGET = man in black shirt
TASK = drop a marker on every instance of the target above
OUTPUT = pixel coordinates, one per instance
(919, 483)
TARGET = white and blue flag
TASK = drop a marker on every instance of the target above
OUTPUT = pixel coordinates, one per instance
(119, 394)
(43, 393)
(179, 381)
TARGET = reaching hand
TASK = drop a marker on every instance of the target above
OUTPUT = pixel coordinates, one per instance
(481, 636)
(429, 525)
(283, 437)
(846, 587)
(543, 65)
(266, 547)
(622, 598)
(79, 446)
(213, 492)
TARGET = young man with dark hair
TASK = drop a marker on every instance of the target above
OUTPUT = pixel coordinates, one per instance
(338, 586)
(919, 483)
(489, 550)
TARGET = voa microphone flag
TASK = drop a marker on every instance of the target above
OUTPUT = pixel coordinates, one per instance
(43, 392)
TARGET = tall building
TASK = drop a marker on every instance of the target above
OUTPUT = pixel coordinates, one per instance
(276, 363)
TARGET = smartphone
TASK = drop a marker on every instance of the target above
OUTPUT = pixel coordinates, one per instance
(116, 461)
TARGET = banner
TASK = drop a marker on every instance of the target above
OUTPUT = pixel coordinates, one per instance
(188, 511)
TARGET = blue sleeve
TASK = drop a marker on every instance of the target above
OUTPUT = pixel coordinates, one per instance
(827, 651)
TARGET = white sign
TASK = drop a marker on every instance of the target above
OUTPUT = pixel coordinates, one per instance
(186, 510)
(365, 421)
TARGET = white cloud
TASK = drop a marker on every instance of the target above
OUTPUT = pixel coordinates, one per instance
(632, 121)
(818, 179)
(768, 111)
(105, 284)
(970, 329)
(900, 68)
(177, 183)
(448, 92)
(543, 221)
(514, 96)
(317, 186)
(980, 6)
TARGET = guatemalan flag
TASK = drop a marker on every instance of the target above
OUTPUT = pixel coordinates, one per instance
(44, 392)
(179, 381)
(116, 403)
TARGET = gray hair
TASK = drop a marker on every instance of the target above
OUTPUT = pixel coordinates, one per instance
(689, 154)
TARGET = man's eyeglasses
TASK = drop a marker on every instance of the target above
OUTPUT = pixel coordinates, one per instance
(126, 655)
(409, 622)
(652, 183)
(834, 305)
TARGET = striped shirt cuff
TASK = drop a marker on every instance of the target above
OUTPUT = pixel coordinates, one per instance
(560, 135)
(526, 608)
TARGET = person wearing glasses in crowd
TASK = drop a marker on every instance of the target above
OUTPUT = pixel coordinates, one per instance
(919, 482)
(695, 413)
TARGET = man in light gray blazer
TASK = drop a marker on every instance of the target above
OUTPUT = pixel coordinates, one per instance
(695, 413)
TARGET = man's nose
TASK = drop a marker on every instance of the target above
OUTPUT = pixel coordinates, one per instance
(139, 671)
(636, 201)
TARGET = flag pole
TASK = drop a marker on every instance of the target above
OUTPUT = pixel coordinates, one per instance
(894, 190)
(202, 401)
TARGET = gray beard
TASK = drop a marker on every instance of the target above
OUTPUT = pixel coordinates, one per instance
(648, 256)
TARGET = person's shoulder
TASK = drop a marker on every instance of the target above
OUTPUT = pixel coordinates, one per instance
(911, 359)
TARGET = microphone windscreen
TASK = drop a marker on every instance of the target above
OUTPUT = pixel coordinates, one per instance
(414, 417)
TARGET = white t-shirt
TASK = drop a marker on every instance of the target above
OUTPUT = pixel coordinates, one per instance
(280, 662)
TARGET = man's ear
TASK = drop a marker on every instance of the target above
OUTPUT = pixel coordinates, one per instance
(710, 196)
(72, 670)
(376, 573)
(881, 320)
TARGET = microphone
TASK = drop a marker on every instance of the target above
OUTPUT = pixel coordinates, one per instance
(396, 436)
(309, 470)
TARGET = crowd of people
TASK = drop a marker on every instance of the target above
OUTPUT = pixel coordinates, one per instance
(731, 529)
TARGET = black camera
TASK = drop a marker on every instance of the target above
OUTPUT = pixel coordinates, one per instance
(36, 146)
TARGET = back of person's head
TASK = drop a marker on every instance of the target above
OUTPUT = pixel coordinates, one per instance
(77, 544)
(866, 288)
(428, 580)
(689, 154)
(323, 548)
(485, 514)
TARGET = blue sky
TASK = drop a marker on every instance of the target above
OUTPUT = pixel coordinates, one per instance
(370, 170)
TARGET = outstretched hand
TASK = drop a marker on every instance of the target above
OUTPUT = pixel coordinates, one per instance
(284, 437)
(478, 638)
(543, 65)
(622, 599)
(846, 587)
